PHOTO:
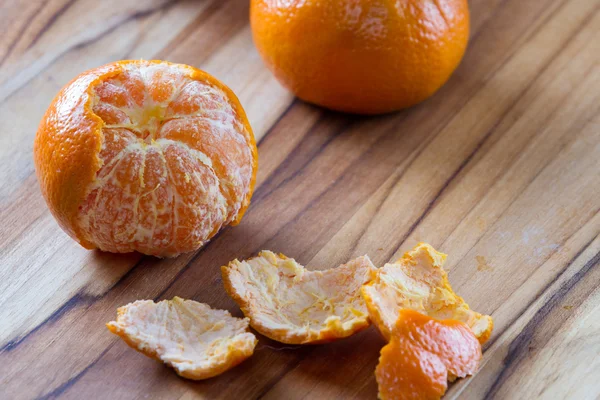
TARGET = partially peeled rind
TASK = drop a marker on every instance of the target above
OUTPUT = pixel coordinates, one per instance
(418, 281)
(192, 338)
(290, 304)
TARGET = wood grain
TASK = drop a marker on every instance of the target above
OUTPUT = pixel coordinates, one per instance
(500, 169)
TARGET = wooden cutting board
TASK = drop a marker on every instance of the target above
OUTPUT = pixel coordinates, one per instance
(500, 169)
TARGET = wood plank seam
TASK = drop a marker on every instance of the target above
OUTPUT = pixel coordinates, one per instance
(517, 347)
(165, 52)
(80, 298)
(533, 178)
(50, 22)
(65, 386)
(19, 35)
(84, 43)
(260, 196)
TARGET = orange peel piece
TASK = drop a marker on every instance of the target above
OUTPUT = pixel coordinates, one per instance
(419, 282)
(423, 354)
(197, 341)
(290, 304)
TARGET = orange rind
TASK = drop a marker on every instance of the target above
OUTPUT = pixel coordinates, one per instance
(417, 281)
(197, 341)
(423, 354)
(289, 304)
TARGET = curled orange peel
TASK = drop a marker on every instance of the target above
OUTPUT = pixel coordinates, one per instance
(423, 354)
(417, 281)
(198, 342)
(290, 304)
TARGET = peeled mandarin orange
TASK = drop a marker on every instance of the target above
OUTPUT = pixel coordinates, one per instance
(361, 56)
(287, 303)
(145, 156)
(418, 282)
(195, 340)
(423, 354)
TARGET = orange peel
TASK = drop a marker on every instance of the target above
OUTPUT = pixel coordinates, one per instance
(198, 342)
(419, 282)
(287, 303)
(423, 354)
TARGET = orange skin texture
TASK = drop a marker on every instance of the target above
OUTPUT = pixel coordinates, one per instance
(362, 56)
(67, 147)
(423, 354)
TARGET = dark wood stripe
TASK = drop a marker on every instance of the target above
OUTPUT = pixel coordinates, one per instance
(278, 120)
(85, 43)
(79, 299)
(131, 17)
(26, 25)
(190, 28)
(263, 191)
(56, 393)
(475, 35)
(70, 304)
(189, 264)
(306, 351)
(527, 143)
(50, 22)
(434, 200)
(283, 166)
(497, 334)
(519, 347)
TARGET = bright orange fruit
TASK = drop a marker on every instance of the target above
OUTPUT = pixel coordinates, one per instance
(145, 156)
(423, 354)
(361, 56)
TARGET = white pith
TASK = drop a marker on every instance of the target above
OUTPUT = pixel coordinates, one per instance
(142, 137)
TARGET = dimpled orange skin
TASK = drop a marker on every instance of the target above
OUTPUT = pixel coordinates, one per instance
(68, 147)
(423, 354)
(362, 56)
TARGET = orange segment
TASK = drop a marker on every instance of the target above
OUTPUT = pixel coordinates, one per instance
(418, 282)
(195, 340)
(145, 156)
(289, 304)
(423, 354)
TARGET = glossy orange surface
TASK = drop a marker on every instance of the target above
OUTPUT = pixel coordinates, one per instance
(423, 354)
(362, 56)
(145, 156)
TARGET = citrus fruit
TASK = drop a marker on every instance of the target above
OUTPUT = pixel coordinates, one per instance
(361, 56)
(145, 156)
(287, 303)
(418, 281)
(423, 354)
(195, 340)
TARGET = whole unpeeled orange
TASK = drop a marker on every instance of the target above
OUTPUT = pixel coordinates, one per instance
(361, 56)
(145, 156)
